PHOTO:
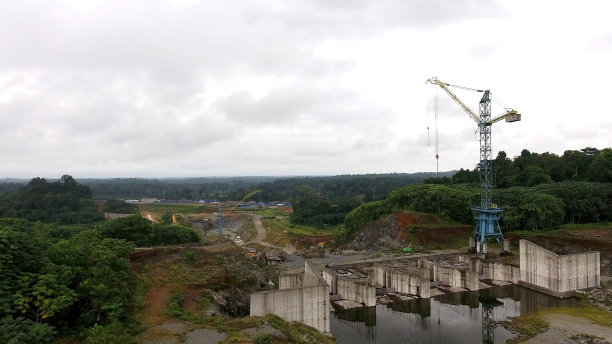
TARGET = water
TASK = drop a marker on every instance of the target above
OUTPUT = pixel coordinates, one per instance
(453, 318)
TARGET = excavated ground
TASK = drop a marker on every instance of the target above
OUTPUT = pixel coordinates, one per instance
(411, 229)
(218, 274)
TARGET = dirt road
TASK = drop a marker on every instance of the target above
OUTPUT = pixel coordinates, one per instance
(261, 235)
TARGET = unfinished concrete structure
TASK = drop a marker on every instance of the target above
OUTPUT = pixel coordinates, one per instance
(352, 284)
(405, 276)
(302, 296)
(416, 276)
(558, 275)
(499, 270)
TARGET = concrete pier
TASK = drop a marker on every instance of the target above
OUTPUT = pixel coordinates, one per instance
(302, 296)
(558, 275)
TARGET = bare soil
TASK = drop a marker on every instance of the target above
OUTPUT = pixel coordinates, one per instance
(576, 241)
(411, 229)
(219, 269)
(567, 329)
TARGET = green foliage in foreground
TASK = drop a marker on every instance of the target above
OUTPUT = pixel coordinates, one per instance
(82, 284)
(544, 206)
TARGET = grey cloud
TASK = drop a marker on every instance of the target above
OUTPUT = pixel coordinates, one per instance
(350, 19)
(280, 105)
(302, 102)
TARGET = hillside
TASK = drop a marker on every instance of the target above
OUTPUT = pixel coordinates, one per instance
(419, 231)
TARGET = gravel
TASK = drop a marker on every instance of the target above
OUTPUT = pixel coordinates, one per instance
(204, 336)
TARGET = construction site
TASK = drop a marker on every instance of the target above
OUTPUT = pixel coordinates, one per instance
(404, 273)
(301, 295)
(307, 295)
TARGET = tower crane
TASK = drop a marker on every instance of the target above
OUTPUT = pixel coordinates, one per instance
(252, 193)
(487, 213)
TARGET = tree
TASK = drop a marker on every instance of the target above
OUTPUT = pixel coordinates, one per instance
(502, 170)
(600, 169)
(46, 294)
(535, 175)
(21, 330)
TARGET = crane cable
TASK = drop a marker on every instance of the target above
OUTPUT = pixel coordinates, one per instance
(463, 87)
(436, 128)
(500, 102)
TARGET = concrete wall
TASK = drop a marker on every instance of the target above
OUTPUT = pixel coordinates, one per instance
(329, 276)
(291, 280)
(500, 271)
(303, 297)
(409, 284)
(555, 274)
(579, 271)
(308, 305)
(357, 291)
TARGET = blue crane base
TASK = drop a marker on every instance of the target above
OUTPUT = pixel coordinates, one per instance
(487, 225)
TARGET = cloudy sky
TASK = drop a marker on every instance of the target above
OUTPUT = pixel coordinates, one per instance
(308, 87)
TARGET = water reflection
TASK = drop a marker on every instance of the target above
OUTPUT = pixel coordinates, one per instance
(468, 317)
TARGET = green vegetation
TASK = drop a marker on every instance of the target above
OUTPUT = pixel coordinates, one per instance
(530, 169)
(50, 287)
(312, 209)
(529, 325)
(526, 326)
(163, 208)
(545, 206)
(143, 232)
(119, 206)
(69, 272)
(233, 327)
(62, 202)
(282, 231)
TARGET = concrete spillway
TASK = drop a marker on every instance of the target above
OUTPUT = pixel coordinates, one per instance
(304, 296)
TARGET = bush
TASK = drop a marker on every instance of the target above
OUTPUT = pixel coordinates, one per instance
(24, 331)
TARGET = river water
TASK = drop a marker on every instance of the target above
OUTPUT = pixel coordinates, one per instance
(450, 318)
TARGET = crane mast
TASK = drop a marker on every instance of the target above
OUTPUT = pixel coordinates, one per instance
(487, 213)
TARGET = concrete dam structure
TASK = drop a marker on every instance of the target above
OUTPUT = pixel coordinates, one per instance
(305, 296)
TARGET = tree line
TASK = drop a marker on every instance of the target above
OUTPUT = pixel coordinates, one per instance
(536, 191)
(544, 206)
(529, 169)
(65, 270)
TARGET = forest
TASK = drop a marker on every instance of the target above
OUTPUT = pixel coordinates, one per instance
(65, 270)
(536, 192)
(372, 186)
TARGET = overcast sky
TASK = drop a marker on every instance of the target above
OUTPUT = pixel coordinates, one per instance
(322, 87)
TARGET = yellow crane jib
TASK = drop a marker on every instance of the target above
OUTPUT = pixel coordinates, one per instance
(252, 193)
(510, 115)
(444, 86)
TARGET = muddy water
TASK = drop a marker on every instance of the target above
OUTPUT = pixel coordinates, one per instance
(453, 318)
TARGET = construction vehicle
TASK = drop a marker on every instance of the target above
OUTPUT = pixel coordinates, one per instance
(487, 213)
